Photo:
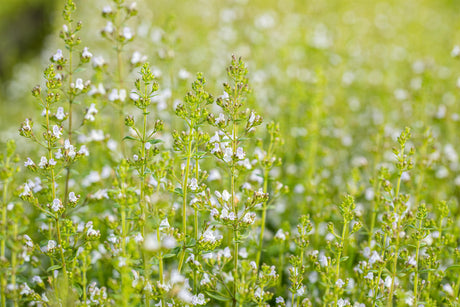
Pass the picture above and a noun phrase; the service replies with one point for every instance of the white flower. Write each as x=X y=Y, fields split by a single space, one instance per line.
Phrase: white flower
x=25 y=290
x=448 y=289
x=169 y=242
x=323 y=260
x=29 y=162
x=209 y=236
x=253 y=265
x=50 y=246
x=98 y=61
x=91 y=112
x=193 y=184
x=86 y=53
x=43 y=162
x=65 y=28
x=60 y=115
x=97 y=90
x=83 y=151
x=216 y=148
x=249 y=217
x=52 y=162
x=57 y=131
x=252 y=118
x=301 y=291
x=108 y=27
x=455 y=52
x=72 y=197
x=107 y=9
x=79 y=84
x=339 y=283
x=57 y=205
x=258 y=293
x=184 y=74
x=369 y=275
x=388 y=281
x=220 y=119
x=164 y=223
x=127 y=33
x=58 y=55
x=137 y=57
x=205 y=279
x=243 y=253
x=226 y=195
x=341 y=302
x=138 y=238
x=228 y=154
x=198 y=299
x=240 y=153
x=374 y=258
x=280 y=235
x=279 y=300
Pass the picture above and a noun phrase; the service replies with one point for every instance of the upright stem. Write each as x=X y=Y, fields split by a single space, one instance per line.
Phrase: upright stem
x=416 y=268
x=395 y=259
x=235 y=211
x=4 y=278
x=66 y=191
x=264 y=214
x=337 y=270
x=14 y=266
x=142 y=202
x=184 y=199
x=53 y=189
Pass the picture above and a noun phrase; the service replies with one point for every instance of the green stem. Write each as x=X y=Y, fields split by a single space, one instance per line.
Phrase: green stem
x=14 y=267
x=339 y=256
x=264 y=214
x=416 y=268
x=4 y=278
x=184 y=200
x=235 y=211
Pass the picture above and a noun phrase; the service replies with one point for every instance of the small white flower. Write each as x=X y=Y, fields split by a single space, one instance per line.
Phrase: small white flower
x=169 y=242
x=91 y=112
x=98 y=61
x=137 y=57
x=57 y=131
x=57 y=205
x=455 y=51
x=323 y=261
x=220 y=119
x=79 y=84
x=184 y=74
x=198 y=299
x=107 y=9
x=65 y=28
x=83 y=151
x=252 y=118
x=86 y=53
x=58 y=55
x=138 y=238
x=25 y=290
x=108 y=27
x=43 y=162
x=280 y=235
x=72 y=197
x=29 y=162
x=279 y=300
x=369 y=275
x=127 y=33
x=240 y=153
x=148 y=145
x=339 y=283
x=164 y=223
x=448 y=289
x=60 y=115
x=226 y=195
x=228 y=154
x=194 y=184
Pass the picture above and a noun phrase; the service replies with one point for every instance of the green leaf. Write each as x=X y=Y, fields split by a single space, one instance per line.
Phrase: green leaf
x=154 y=141
x=343 y=259
x=454 y=266
x=169 y=256
x=218 y=296
x=54 y=267
x=128 y=137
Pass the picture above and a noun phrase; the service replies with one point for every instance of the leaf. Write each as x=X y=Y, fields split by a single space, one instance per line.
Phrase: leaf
x=218 y=296
x=178 y=191
x=128 y=137
x=343 y=259
x=169 y=256
x=454 y=266
x=154 y=141
x=54 y=267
